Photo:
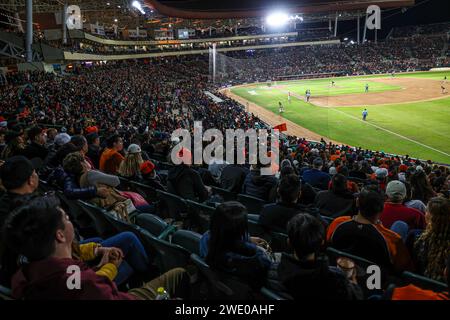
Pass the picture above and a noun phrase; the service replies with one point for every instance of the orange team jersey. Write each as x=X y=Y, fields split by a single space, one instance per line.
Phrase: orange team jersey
x=411 y=292
x=399 y=255
x=334 y=157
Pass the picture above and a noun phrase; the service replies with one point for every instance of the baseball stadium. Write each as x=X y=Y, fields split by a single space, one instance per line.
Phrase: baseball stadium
x=333 y=183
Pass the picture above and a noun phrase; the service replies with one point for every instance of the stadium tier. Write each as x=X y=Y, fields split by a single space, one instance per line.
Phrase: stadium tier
x=150 y=152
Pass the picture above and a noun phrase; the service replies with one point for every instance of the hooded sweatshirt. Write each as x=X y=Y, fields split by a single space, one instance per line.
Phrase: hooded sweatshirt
x=186 y=183
x=315 y=280
x=49 y=278
x=260 y=186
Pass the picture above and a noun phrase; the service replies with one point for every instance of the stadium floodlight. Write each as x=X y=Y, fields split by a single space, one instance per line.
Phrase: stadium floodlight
x=138 y=6
x=277 y=19
x=345 y=39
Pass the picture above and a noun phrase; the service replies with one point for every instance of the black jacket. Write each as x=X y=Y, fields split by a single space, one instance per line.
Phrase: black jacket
x=8 y=259
x=305 y=280
x=335 y=205
x=260 y=186
x=94 y=154
x=232 y=177
x=275 y=216
x=35 y=150
x=186 y=183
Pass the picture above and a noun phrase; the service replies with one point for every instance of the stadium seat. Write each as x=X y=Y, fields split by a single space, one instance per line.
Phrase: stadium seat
x=225 y=194
x=272 y=295
x=5 y=293
x=334 y=254
x=187 y=239
x=216 y=288
x=124 y=184
x=424 y=282
x=177 y=206
x=153 y=224
x=147 y=192
x=199 y=215
x=166 y=255
x=254 y=205
x=328 y=220
x=103 y=226
x=277 y=241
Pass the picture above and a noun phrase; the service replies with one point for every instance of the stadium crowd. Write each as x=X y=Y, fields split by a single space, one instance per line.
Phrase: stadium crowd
x=87 y=181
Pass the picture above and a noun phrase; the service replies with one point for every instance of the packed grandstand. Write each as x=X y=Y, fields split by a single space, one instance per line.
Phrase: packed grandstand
x=87 y=180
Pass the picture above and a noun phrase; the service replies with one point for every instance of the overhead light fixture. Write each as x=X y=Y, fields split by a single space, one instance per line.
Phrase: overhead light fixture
x=115 y=20
x=277 y=19
x=138 y=6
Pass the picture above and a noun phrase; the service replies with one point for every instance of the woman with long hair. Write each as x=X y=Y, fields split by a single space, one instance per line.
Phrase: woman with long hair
x=228 y=248
x=130 y=167
x=421 y=187
x=433 y=246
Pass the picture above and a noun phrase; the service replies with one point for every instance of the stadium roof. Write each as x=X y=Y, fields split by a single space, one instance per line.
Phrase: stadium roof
x=204 y=9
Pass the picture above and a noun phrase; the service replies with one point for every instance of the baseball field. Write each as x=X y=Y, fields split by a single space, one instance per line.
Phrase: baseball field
x=407 y=113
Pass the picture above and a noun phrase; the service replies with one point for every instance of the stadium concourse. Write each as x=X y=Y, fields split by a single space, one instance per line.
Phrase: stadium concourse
x=87 y=181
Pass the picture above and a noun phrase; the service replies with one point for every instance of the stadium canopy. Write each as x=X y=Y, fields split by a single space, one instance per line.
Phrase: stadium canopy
x=204 y=9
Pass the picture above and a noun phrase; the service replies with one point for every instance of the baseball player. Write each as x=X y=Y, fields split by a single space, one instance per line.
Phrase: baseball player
x=367 y=87
x=332 y=83
x=308 y=95
x=280 y=107
x=443 y=89
x=289 y=97
x=364 y=114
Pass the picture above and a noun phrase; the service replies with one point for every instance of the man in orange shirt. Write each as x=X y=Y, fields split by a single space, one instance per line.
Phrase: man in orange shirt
x=111 y=157
x=365 y=236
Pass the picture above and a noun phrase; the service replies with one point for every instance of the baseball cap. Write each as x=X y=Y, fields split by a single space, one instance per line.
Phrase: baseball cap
x=62 y=139
x=381 y=173
x=403 y=168
x=394 y=188
x=318 y=162
x=17 y=170
x=134 y=148
x=147 y=167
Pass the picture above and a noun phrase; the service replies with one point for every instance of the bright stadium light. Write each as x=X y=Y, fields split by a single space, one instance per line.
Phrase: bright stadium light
x=138 y=6
x=277 y=19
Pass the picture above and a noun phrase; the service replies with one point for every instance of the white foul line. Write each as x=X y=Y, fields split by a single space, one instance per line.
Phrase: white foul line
x=381 y=128
x=392 y=132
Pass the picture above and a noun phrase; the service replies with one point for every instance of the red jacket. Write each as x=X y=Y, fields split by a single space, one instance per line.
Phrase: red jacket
x=398 y=212
x=47 y=279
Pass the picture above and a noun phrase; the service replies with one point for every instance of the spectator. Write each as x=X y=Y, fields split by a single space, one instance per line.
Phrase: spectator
x=15 y=144
x=315 y=177
x=365 y=236
x=111 y=157
x=233 y=176
x=93 y=148
x=150 y=177
x=130 y=167
x=395 y=210
x=185 y=182
x=44 y=234
x=260 y=186
x=36 y=148
x=275 y=216
x=421 y=187
x=306 y=274
x=338 y=201
x=19 y=177
x=432 y=247
x=228 y=248
x=81 y=143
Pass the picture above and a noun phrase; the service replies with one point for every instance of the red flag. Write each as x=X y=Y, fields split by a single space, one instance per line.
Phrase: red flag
x=281 y=127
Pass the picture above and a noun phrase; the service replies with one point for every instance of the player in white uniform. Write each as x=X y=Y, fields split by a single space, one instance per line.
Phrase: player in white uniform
x=289 y=97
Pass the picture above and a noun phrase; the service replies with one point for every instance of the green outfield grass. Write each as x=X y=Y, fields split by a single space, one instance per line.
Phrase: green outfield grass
x=419 y=129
